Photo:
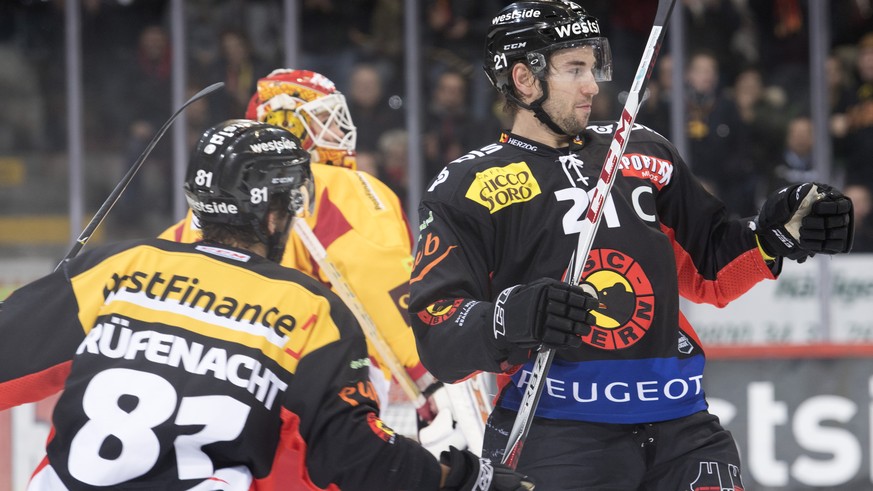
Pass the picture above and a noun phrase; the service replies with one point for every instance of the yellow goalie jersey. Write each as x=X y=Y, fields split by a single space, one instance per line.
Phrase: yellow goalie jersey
x=361 y=224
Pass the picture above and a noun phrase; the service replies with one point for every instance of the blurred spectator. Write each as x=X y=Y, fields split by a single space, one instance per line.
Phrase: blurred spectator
x=796 y=164
x=263 y=23
x=36 y=33
x=850 y=19
x=839 y=97
x=655 y=109
x=783 y=36
x=862 y=203
x=715 y=138
x=628 y=26
x=713 y=24
x=379 y=39
x=449 y=128
x=370 y=108
x=22 y=119
x=146 y=98
x=454 y=32
x=239 y=68
x=762 y=115
x=859 y=165
x=453 y=40
x=325 y=44
x=393 y=162
x=197 y=116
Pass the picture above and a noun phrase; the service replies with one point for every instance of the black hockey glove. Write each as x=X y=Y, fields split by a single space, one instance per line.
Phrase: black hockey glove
x=471 y=473
x=546 y=312
x=806 y=219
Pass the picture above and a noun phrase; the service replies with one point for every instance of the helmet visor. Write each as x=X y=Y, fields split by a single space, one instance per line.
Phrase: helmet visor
x=601 y=57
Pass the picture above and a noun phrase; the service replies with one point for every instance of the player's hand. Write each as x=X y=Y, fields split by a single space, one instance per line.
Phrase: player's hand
x=806 y=219
x=468 y=473
x=442 y=430
x=545 y=312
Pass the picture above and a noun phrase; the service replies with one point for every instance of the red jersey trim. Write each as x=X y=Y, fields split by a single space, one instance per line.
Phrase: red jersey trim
x=731 y=281
x=34 y=387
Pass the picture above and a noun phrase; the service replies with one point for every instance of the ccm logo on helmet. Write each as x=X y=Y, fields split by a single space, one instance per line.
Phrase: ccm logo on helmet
x=273 y=146
x=515 y=15
x=577 y=28
x=514 y=46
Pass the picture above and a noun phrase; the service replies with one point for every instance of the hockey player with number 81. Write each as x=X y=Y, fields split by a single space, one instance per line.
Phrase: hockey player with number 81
x=191 y=366
x=360 y=223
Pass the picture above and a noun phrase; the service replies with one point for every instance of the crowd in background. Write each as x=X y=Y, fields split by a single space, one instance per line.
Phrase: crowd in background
x=746 y=86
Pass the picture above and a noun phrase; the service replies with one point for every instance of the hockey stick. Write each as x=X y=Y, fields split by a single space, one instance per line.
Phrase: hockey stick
x=468 y=399
x=122 y=185
x=345 y=292
x=529 y=402
x=471 y=405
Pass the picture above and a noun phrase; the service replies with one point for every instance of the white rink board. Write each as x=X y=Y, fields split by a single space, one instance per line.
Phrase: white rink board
x=788 y=310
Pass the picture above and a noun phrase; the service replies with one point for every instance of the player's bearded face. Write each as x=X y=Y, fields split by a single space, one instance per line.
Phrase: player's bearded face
x=571 y=88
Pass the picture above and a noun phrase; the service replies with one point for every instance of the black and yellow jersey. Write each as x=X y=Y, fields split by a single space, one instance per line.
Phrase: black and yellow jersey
x=189 y=366
x=362 y=226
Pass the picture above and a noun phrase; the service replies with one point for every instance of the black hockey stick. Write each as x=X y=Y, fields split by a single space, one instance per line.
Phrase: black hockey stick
x=122 y=185
x=535 y=386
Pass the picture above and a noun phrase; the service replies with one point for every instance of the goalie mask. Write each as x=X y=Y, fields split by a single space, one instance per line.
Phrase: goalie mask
x=308 y=105
x=239 y=169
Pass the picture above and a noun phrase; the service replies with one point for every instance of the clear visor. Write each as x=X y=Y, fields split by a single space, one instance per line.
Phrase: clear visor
x=328 y=122
x=602 y=69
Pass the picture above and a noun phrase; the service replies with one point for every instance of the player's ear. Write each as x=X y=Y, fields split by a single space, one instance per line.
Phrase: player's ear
x=525 y=82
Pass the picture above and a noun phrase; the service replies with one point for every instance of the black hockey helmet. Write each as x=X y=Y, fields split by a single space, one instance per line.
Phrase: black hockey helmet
x=239 y=167
x=528 y=31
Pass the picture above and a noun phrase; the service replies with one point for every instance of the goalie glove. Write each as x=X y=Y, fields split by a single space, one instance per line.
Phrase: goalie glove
x=470 y=473
x=442 y=431
x=803 y=220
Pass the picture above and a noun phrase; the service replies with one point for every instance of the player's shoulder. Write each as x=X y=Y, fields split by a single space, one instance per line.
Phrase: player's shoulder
x=458 y=173
x=602 y=132
x=353 y=188
x=132 y=248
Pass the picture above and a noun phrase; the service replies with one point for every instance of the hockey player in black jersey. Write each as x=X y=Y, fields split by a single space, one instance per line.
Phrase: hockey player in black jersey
x=623 y=406
x=190 y=366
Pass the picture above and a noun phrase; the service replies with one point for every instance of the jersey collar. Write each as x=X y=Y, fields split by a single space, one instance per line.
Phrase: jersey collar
x=538 y=148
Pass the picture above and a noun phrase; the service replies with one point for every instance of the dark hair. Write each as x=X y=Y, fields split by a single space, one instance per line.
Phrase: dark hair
x=244 y=236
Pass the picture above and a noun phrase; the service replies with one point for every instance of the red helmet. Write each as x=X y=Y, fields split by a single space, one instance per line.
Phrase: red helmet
x=310 y=107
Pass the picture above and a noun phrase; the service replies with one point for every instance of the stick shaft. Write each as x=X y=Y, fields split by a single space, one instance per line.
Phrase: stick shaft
x=345 y=292
x=530 y=401
x=113 y=197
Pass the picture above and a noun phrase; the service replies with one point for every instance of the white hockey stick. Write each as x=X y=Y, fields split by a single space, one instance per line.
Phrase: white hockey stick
x=529 y=402
x=469 y=402
x=345 y=292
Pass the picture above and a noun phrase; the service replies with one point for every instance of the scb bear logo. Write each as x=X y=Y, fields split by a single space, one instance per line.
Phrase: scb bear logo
x=627 y=301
